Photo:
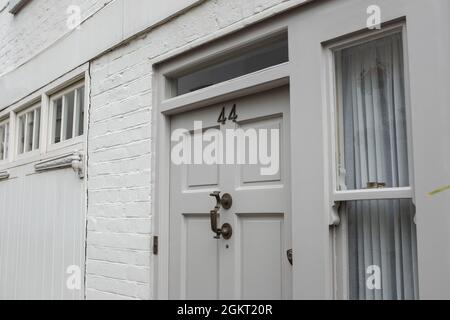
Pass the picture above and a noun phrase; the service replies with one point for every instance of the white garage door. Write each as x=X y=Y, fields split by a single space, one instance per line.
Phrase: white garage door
x=42 y=230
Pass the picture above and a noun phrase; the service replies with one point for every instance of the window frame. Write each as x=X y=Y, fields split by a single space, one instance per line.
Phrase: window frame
x=19 y=114
x=7 y=123
x=167 y=70
x=339 y=239
x=262 y=43
x=334 y=123
x=51 y=145
x=79 y=76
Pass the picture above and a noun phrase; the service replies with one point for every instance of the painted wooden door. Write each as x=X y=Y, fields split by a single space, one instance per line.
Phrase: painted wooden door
x=253 y=263
x=42 y=235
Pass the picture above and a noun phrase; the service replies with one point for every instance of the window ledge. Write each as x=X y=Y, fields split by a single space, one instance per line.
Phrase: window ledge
x=16 y=5
x=373 y=194
x=366 y=194
x=71 y=160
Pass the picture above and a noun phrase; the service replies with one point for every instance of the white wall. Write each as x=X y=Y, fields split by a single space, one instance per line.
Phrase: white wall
x=36 y=27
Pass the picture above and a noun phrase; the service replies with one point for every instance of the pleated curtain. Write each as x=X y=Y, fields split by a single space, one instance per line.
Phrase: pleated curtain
x=381 y=233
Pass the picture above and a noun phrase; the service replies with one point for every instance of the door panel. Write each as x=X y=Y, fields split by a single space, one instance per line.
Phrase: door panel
x=250 y=173
x=261 y=246
x=200 y=271
x=252 y=264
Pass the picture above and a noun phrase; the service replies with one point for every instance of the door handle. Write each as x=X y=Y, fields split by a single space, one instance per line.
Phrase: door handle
x=214 y=215
x=226 y=230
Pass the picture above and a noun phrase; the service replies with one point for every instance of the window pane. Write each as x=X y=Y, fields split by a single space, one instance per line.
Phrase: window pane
x=21 y=136
x=373 y=131
x=382 y=248
x=37 y=128
x=80 y=108
x=69 y=110
x=244 y=62
x=57 y=114
x=2 y=142
x=6 y=143
x=30 y=131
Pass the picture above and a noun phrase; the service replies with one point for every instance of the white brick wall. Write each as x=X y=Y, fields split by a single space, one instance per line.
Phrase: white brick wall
x=119 y=261
x=34 y=28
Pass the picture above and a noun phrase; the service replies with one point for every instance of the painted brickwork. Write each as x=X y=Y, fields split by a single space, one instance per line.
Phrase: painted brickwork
x=39 y=24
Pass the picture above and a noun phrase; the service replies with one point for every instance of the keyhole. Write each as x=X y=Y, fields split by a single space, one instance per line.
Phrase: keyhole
x=227 y=246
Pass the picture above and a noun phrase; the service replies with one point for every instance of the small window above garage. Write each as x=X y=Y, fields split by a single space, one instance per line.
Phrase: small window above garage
x=4 y=139
x=67 y=114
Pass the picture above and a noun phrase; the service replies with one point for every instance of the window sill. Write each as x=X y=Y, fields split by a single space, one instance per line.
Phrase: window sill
x=66 y=143
x=32 y=159
x=373 y=194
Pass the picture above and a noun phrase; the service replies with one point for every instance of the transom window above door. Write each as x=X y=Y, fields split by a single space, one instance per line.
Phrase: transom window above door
x=227 y=66
x=67 y=114
x=28 y=130
x=372 y=166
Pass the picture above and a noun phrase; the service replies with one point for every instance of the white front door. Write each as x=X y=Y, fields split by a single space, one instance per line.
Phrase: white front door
x=253 y=262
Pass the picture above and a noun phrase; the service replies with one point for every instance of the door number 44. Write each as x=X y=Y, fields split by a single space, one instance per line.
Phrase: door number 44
x=232 y=116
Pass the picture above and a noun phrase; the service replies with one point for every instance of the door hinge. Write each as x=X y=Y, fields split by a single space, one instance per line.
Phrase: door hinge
x=155 y=245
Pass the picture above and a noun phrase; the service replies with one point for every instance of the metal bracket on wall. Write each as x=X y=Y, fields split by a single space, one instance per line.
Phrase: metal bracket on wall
x=4 y=175
x=74 y=160
x=155 y=245
x=335 y=219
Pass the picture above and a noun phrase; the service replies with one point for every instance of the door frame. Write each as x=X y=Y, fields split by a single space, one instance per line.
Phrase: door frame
x=260 y=81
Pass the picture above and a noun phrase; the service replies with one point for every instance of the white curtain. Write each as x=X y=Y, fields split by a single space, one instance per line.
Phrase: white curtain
x=381 y=233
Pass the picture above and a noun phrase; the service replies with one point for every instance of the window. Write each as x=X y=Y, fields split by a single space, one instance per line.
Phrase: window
x=373 y=170
x=28 y=130
x=247 y=60
x=67 y=111
x=4 y=139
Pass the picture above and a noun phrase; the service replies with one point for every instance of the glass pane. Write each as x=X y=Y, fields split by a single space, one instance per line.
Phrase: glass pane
x=21 y=136
x=244 y=62
x=57 y=114
x=30 y=131
x=37 y=128
x=382 y=248
x=373 y=134
x=2 y=142
x=6 y=143
x=80 y=108
x=70 y=107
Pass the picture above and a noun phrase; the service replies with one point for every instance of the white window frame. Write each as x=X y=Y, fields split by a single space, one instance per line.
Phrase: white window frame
x=50 y=128
x=7 y=124
x=17 y=135
x=79 y=76
x=336 y=196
